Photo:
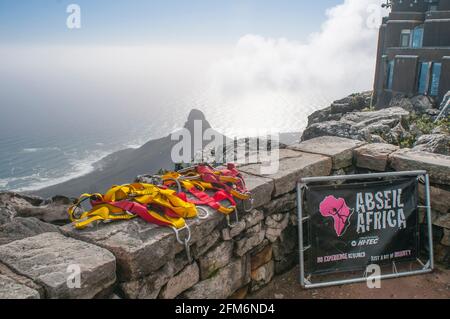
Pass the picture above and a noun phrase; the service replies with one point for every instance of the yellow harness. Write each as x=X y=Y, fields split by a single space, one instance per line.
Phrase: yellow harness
x=122 y=203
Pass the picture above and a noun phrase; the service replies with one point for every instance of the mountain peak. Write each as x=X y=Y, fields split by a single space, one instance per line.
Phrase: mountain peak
x=196 y=115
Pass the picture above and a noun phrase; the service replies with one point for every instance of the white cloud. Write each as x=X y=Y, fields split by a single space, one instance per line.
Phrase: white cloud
x=339 y=59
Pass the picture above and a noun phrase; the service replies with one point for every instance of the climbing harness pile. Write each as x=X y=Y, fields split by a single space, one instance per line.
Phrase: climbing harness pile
x=168 y=200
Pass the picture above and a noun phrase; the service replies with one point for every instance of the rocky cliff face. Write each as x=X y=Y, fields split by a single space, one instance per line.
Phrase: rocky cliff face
x=405 y=122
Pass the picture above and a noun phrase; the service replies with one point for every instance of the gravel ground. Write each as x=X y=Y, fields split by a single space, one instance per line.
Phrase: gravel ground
x=434 y=285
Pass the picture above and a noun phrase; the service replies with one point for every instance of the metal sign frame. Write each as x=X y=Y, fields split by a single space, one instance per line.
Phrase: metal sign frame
x=302 y=218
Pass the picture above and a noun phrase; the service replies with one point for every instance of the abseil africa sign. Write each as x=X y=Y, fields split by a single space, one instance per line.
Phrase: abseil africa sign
x=354 y=225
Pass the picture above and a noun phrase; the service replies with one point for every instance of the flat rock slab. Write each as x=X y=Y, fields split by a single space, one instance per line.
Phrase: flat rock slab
x=19 y=228
x=6 y=272
x=439 y=198
x=224 y=283
x=291 y=169
x=365 y=118
x=261 y=189
x=374 y=156
x=142 y=248
x=49 y=211
x=187 y=278
x=437 y=166
x=48 y=259
x=11 y=289
x=338 y=148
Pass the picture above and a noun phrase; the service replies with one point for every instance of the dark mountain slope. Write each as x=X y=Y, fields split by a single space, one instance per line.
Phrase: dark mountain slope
x=123 y=166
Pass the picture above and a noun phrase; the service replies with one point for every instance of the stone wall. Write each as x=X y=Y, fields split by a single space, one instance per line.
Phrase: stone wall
x=133 y=259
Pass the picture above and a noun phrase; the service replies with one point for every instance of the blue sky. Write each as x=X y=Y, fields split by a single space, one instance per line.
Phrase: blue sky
x=159 y=21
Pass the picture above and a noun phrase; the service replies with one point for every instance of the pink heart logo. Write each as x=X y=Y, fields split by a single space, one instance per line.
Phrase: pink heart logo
x=338 y=209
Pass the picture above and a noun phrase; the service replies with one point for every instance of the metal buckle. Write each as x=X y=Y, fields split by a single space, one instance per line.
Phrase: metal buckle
x=77 y=206
x=236 y=219
x=205 y=214
x=188 y=169
x=184 y=242
x=129 y=213
x=251 y=200
x=179 y=189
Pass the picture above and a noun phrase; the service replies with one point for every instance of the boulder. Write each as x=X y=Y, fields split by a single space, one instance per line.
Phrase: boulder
x=230 y=232
x=261 y=189
x=216 y=258
x=49 y=211
x=437 y=166
x=6 y=272
x=359 y=125
x=262 y=257
x=354 y=102
x=397 y=134
x=334 y=128
x=433 y=143
x=253 y=218
x=419 y=104
x=262 y=276
x=11 y=289
x=339 y=149
x=224 y=283
x=440 y=219
x=389 y=116
x=51 y=260
x=7 y=213
x=374 y=156
x=439 y=198
x=187 y=278
x=275 y=225
x=12 y=197
x=283 y=204
x=20 y=228
x=292 y=168
x=203 y=245
x=253 y=237
x=149 y=286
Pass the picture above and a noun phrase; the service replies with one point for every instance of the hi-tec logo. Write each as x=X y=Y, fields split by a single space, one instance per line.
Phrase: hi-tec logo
x=365 y=242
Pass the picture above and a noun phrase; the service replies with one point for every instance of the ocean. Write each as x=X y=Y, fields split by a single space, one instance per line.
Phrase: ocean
x=35 y=158
x=64 y=108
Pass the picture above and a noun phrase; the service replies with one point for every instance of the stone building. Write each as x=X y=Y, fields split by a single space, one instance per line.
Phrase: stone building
x=414 y=50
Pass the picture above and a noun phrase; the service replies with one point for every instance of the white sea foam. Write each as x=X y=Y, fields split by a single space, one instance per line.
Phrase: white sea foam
x=40 y=149
x=40 y=180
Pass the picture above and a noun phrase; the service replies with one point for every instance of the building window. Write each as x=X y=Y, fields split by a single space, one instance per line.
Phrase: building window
x=405 y=38
x=424 y=73
x=433 y=5
x=435 y=78
x=390 y=75
x=429 y=78
x=417 y=38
